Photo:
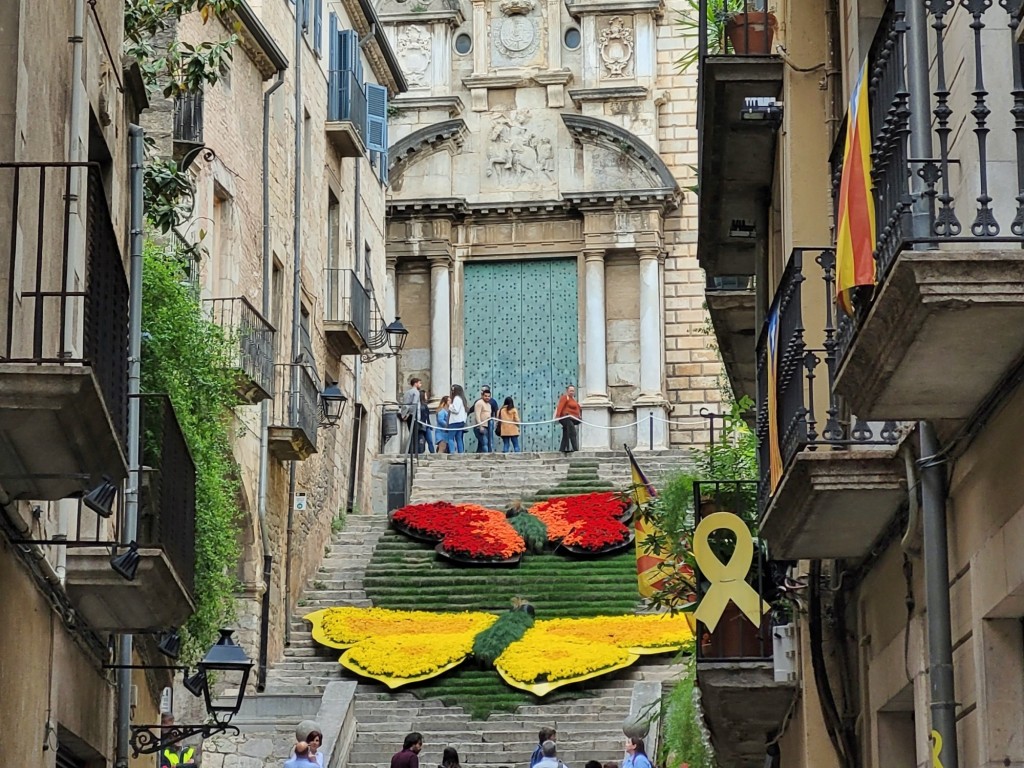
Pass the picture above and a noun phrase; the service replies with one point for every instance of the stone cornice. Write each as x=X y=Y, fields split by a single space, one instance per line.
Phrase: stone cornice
x=378 y=50
x=579 y=8
x=436 y=206
x=664 y=199
x=497 y=81
x=554 y=77
x=453 y=104
x=255 y=40
x=433 y=137
x=454 y=17
x=611 y=93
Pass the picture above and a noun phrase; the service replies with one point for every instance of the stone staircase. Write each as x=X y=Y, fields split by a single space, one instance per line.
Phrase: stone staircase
x=498 y=479
x=589 y=727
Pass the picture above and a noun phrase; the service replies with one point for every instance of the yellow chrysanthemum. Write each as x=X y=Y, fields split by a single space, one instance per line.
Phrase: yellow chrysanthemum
x=541 y=657
x=403 y=656
x=651 y=632
x=343 y=627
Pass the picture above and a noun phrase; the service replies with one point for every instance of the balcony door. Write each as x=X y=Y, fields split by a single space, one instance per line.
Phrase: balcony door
x=521 y=339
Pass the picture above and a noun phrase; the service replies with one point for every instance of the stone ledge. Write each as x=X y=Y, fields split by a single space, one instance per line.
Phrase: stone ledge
x=834 y=504
x=943 y=330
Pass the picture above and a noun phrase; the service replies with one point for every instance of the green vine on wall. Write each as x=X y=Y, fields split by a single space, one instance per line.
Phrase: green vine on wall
x=175 y=69
x=189 y=358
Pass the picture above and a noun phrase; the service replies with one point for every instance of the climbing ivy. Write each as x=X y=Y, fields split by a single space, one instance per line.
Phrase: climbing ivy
x=174 y=68
x=686 y=740
x=188 y=357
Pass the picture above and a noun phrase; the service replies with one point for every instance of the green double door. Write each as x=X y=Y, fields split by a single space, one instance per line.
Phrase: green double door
x=521 y=338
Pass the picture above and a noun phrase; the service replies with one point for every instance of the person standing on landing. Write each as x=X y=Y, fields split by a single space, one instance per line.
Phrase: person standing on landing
x=636 y=755
x=484 y=414
x=550 y=756
x=508 y=426
x=411 y=404
x=442 y=434
x=409 y=756
x=457 y=420
x=568 y=413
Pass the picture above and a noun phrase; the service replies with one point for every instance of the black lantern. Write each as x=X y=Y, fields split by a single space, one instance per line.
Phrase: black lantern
x=397 y=334
x=332 y=405
x=228 y=661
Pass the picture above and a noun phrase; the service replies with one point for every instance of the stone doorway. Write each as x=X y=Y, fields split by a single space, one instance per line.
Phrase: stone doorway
x=522 y=338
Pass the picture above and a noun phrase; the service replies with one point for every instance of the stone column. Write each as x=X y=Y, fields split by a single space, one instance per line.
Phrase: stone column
x=651 y=401
x=440 y=327
x=596 y=405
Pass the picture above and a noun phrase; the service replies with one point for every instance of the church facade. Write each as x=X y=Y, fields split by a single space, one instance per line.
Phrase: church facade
x=540 y=232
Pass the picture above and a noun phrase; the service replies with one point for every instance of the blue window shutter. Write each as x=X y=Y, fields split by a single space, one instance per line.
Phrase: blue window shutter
x=334 y=69
x=376 y=118
x=349 y=44
x=305 y=14
x=382 y=169
x=318 y=26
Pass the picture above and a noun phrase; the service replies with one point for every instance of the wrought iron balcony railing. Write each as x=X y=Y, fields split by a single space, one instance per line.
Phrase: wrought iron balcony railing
x=916 y=198
x=791 y=392
x=348 y=301
x=254 y=336
x=58 y=307
x=346 y=100
x=167 y=518
x=188 y=118
x=297 y=404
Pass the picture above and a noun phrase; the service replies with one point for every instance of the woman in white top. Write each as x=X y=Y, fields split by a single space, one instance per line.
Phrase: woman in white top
x=457 y=420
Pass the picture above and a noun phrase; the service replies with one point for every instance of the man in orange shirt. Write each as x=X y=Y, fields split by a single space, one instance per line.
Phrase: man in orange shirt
x=568 y=414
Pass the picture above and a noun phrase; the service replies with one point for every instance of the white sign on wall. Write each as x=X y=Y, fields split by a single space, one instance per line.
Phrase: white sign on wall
x=299 y=505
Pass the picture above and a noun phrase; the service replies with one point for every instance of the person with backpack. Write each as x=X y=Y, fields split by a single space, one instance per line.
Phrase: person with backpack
x=545 y=734
x=549 y=759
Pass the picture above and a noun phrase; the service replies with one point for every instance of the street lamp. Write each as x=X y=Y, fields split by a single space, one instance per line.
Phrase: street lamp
x=397 y=335
x=228 y=661
x=332 y=405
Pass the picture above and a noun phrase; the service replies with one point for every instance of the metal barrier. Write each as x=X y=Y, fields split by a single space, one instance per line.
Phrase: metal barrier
x=254 y=335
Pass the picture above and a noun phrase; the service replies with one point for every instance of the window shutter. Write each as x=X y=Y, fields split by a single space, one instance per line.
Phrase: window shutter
x=318 y=26
x=334 y=69
x=376 y=118
x=382 y=169
x=349 y=43
x=305 y=14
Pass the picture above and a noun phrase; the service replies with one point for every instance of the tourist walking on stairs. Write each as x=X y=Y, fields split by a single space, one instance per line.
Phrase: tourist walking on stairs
x=550 y=756
x=568 y=414
x=409 y=756
x=450 y=758
x=545 y=734
x=636 y=755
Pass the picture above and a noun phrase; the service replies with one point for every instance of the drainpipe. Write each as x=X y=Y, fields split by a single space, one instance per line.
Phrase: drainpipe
x=296 y=309
x=261 y=493
x=936 y=580
x=920 y=112
x=131 y=491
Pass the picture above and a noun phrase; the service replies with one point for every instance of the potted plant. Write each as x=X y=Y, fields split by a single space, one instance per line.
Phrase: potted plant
x=751 y=29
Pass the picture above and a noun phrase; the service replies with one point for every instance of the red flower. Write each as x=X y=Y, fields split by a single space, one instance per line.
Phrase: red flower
x=465 y=529
x=433 y=520
x=594 y=535
x=562 y=515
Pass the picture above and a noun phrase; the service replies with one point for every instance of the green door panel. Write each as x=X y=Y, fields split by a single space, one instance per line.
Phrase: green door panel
x=521 y=338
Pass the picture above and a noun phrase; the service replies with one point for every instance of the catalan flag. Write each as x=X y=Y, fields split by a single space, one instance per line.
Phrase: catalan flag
x=650 y=568
x=774 y=451
x=855 y=239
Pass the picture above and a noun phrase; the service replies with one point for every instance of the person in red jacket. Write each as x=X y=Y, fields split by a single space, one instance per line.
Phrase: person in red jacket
x=568 y=414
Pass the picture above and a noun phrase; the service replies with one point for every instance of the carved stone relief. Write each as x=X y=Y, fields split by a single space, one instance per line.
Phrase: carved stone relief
x=414 y=49
x=616 y=47
x=515 y=33
x=516 y=154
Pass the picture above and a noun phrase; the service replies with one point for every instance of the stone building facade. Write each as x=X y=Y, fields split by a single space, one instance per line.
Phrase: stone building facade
x=342 y=199
x=538 y=231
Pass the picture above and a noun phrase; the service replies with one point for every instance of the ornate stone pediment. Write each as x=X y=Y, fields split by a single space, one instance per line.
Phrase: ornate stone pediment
x=615 y=159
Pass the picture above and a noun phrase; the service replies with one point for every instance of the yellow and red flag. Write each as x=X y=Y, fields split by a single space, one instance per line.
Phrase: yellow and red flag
x=774 y=444
x=855 y=240
x=650 y=568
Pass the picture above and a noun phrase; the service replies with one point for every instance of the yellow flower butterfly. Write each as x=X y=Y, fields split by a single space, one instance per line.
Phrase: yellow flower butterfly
x=402 y=647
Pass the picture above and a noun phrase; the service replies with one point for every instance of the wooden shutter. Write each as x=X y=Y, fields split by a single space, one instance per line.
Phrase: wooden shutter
x=334 y=69
x=318 y=26
x=376 y=118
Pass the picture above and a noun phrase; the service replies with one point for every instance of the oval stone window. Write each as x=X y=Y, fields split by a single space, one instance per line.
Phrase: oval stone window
x=463 y=43
x=572 y=38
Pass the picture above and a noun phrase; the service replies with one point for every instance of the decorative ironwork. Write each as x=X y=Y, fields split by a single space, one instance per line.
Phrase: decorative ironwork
x=255 y=337
x=188 y=117
x=798 y=391
x=54 y=316
x=298 y=403
x=348 y=301
x=151 y=739
x=167 y=516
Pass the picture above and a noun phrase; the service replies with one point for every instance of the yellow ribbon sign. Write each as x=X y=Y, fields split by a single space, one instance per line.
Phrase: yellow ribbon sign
x=728 y=580
x=936 y=739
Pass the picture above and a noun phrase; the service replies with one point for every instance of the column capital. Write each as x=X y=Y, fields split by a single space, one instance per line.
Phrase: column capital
x=594 y=254
x=645 y=254
x=439 y=260
x=390 y=261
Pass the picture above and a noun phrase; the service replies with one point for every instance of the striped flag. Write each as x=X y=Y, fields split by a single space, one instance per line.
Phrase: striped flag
x=855 y=239
x=650 y=568
x=774 y=451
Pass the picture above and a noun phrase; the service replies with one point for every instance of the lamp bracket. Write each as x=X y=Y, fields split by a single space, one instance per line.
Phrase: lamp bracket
x=150 y=739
